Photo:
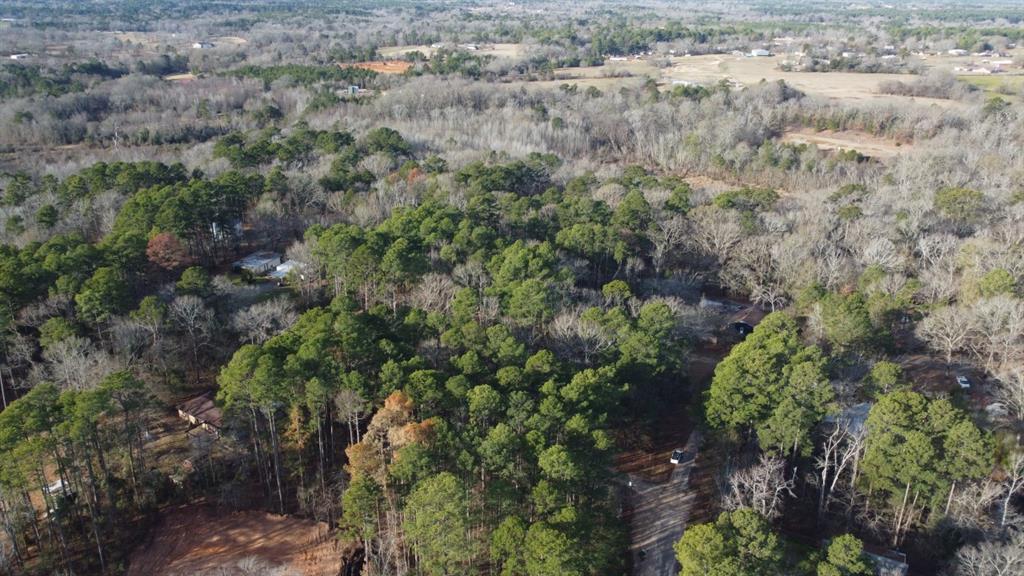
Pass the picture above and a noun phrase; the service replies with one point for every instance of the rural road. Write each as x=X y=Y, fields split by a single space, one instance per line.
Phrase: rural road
x=659 y=515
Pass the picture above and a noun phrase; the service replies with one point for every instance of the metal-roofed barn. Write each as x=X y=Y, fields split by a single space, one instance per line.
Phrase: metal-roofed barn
x=258 y=263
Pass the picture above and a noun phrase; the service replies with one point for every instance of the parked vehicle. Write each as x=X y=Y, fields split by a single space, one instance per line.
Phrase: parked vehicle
x=680 y=456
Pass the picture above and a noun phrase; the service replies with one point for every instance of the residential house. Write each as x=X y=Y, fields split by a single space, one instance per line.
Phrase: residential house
x=258 y=263
x=202 y=412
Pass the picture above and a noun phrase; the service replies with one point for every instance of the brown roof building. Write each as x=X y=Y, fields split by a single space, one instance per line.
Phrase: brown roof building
x=202 y=412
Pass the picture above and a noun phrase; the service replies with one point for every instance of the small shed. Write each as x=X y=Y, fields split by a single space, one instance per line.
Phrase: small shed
x=760 y=53
x=58 y=488
x=202 y=412
x=258 y=263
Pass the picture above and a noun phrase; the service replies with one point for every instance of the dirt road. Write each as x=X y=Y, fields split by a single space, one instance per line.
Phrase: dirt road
x=661 y=499
x=659 y=512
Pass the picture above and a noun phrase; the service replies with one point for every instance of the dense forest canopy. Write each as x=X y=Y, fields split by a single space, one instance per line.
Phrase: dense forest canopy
x=514 y=288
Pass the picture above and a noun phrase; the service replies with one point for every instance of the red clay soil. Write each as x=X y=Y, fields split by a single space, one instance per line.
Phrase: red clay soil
x=194 y=539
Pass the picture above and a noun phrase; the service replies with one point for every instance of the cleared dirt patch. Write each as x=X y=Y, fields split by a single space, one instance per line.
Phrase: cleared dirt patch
x=180 y=77
x=195 y=539
x=233 y=40
x=862 y=142
x=383 y=67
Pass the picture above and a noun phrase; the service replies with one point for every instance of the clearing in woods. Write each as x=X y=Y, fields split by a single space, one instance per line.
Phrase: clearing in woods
x=862 y=142
x=497 y=50
x=743 y=70
x=197 y=539
x=233 y=40
x=382 y=67
x=739 y=71
x=188 y=77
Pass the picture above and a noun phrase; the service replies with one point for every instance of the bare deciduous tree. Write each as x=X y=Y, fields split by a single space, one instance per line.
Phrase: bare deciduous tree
x=946 y=329
x=1010 y=389
x=840 y=451
x=263 y=320
x=715 y=232
x=579 y=338
x=973 y=504
x=997 y=328
x=760 y=486
x=668 y=236
x=434 y=293
x=75 y=363
x=191 y=315
x=992 y=558
x=1013 y=484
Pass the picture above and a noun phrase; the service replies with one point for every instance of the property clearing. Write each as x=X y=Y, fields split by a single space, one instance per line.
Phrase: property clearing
x=862 y=142
x=496 y=50
x=502 y=50
x=398 y=51
x=197 y=539
x=180 y=77
x=741 y=71
x=1006 y=86
x=233 y=40
x=614 y=74
x=382 y=67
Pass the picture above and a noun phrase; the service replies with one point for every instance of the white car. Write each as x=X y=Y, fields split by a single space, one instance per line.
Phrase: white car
x=964 y=383
x=680 y=456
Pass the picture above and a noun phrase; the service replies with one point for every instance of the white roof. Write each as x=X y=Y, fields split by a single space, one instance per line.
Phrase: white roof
x=284 y=268
x=56 y=487
x=257 y=259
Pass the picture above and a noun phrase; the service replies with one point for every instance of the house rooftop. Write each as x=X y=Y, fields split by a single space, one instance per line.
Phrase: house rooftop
x=203 y=409
x=259 y=259
x=284 y=268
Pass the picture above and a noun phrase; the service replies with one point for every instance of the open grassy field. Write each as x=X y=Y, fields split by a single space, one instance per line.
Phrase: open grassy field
x=1005 y=85
x=614 y=74
x=849 y=87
